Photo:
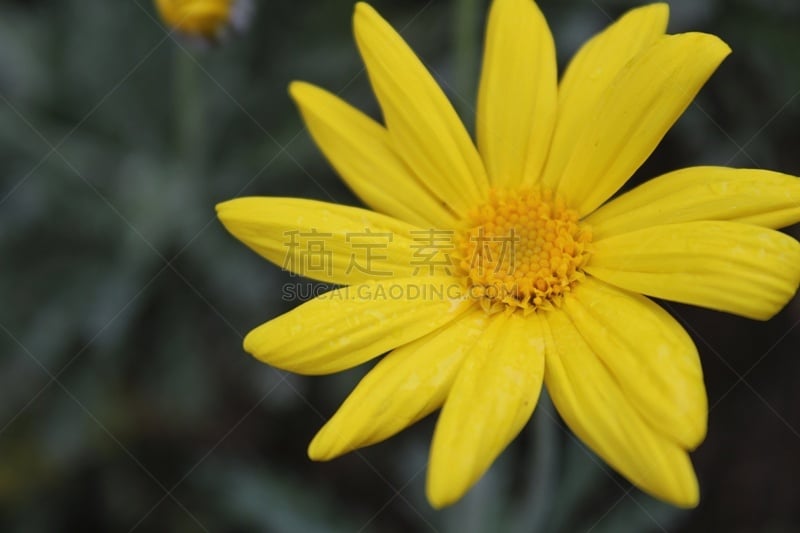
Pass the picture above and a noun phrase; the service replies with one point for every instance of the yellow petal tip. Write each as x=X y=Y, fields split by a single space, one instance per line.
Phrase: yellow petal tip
x=690 y=499
x=365 y=15
x=296 y=87
x=438 y=496
x=663 y=7
x=683 y=492
x=363 y=7
x=445 y=485
x=708 y=43
x=251 y=343
x=658 y=11
x=226 y=214
x=327 y=443
x=316 y=451
x=225 y=206
x=229 y=208
x=302 y=90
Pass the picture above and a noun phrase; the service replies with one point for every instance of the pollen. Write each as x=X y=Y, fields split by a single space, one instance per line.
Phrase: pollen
x=523 y=251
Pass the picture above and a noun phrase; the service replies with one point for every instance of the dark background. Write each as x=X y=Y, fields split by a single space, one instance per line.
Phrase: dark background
x=126 y=401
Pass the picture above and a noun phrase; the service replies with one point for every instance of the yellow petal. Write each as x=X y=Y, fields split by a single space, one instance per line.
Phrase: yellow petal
x=649 y=354
x=492 y=398
x=590 y=73
x=345 y=327
x=751 y=196
x=739 y=268
x=404 y=387
x=589 y=399
x=329 y=242
x=425 y=129
x=633 y=114
x=360 y=150
x=517 y=94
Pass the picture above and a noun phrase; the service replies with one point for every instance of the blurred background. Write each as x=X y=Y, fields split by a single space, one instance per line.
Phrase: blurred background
x=126 y=401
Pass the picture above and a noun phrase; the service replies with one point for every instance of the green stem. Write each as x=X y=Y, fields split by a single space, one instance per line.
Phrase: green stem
x=188 y=112
x=537 y=500
x=466 y=46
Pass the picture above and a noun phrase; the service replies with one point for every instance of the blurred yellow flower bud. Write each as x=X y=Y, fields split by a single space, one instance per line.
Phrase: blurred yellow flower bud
x=207 y=19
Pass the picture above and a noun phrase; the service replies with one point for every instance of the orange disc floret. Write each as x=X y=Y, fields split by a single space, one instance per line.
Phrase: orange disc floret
x=524 y=250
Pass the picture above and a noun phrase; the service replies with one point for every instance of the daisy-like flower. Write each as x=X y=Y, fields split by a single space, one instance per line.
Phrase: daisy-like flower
x=205 y=19
x=547 y=280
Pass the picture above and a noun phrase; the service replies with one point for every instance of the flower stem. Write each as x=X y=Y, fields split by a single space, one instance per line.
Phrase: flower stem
x=537 y=500
x=466 y=45
x=188 y=113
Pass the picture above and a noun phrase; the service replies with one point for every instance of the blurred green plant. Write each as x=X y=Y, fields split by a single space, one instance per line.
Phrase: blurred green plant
x=126 y=402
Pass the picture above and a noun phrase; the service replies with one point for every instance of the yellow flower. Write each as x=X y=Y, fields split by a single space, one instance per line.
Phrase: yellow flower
x=546 y=277
x=207 y=19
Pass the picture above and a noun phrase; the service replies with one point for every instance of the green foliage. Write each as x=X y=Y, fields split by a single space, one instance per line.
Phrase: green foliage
x=126 y=400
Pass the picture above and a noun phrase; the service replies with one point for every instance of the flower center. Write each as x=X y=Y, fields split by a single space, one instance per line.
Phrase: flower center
x=525 y=249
